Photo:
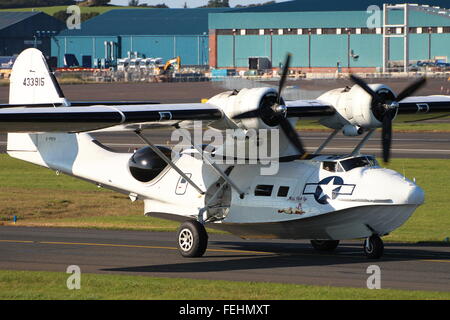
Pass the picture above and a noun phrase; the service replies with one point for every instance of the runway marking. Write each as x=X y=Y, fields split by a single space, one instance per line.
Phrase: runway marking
x=128 y=246
x=446 y=261
x=444 y=151
x=18 y=241
x=341 y=255
x=394 y=149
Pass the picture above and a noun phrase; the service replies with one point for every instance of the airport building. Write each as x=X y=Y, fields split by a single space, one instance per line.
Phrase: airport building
x=21 y=30
x=163 y=33
x=325 y=36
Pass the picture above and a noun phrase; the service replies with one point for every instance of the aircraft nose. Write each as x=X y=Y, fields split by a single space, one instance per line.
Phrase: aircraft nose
x=415 y=195
x=393 y=186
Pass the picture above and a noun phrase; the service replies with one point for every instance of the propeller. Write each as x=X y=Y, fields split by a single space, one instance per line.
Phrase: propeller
x=385 y=107
x=272 y=111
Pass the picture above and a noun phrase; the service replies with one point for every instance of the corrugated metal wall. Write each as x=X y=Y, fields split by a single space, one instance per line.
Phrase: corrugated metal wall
x=321 y=50
x=326 y=50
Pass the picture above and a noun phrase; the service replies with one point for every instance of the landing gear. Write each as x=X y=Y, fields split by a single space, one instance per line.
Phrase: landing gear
x=325 y=245
x=192 y=239
x=373 y=247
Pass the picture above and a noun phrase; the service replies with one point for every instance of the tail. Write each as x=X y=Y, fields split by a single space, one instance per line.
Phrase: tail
x=32 y=81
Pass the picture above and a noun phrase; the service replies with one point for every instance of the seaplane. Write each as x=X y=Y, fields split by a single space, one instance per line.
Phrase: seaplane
x=286 y=193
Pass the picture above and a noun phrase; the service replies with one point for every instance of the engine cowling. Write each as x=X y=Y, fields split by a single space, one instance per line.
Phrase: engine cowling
x=354 y=107
x=234 y=103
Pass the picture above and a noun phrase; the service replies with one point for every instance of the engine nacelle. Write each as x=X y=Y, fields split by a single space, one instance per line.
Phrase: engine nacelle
x=354 y=108
x=234 y=103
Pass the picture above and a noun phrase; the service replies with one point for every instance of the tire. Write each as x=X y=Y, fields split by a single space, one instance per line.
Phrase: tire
x=192 y=239
x=373 y=247
x=325 y=245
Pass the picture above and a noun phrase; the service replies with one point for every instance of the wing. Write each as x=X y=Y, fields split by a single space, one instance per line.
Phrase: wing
x=37 y=104
x=428 y=104
x=296 y=108
x=308 y=108
x=82 y=119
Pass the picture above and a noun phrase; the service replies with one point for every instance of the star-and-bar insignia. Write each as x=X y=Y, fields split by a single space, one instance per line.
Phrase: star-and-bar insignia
x=328 y=188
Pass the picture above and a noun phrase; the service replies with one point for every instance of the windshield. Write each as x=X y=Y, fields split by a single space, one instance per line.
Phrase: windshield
x=352 y=163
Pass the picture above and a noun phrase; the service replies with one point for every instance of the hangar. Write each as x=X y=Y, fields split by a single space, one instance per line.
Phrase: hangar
x=329 y=35
x=21 y=30
x=164 y=33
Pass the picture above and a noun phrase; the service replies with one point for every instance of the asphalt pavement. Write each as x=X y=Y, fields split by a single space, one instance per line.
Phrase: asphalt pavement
x=404 y=266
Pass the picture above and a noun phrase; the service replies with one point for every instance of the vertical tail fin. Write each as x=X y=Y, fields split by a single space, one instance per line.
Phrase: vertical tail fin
x=32 y=82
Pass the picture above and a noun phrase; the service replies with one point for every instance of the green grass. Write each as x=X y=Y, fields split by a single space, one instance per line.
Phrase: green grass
x=431 y=221
x=399 y=126
x=52 y=10
x=39 y=197
x=52 y=285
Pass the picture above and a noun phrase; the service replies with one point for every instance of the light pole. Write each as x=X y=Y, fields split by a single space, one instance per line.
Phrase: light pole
x=349 y=54
x=234 y=48
x=430 y=30
x=309 y=49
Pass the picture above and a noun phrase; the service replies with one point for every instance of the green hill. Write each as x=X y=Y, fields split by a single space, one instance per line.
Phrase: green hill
x=52 y=10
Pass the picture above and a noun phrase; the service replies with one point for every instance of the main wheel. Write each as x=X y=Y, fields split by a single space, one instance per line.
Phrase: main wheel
x=325 y=245
x=373 y=247
x=192 y=239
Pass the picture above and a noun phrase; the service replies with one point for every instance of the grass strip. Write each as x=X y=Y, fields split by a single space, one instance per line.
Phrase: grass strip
x=52 y=285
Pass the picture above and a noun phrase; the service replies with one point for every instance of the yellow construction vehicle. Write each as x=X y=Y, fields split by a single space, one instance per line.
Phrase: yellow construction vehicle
x=171 y=65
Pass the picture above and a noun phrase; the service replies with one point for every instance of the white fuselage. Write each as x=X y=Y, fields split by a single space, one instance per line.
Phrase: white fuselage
x=305 y=199
x=302 y=201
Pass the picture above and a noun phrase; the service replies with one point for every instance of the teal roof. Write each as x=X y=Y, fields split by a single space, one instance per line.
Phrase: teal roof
x=146 y=22
x=316 y=19
x=334 y=5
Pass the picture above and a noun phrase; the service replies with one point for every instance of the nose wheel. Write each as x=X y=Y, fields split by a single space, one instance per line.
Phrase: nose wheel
x=373 y=247
x=192 y=239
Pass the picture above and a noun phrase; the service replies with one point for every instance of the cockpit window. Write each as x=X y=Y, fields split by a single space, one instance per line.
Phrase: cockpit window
x=332 y=166
x=352 y=163
x=329 y=166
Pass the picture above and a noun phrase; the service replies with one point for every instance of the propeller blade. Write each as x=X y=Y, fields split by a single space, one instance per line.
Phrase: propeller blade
x=386 y=136
x=409 y=91
x=283 y=76
x=360 y=82
x=292 y=135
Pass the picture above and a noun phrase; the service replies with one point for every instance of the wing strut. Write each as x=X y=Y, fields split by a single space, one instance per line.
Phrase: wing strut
x=326 y=142
x=168 y=161
x=362 y=142
x=215 y=167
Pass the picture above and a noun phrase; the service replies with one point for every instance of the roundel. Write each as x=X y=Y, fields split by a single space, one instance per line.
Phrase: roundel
x=328 y=188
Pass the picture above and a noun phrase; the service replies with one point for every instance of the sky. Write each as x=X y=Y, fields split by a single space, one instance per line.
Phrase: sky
x=190 y=3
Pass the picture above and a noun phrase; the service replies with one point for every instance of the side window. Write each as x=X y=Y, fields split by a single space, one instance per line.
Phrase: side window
x=283 y=191
x=329 y=166
x=182 y=185
x=263 y=190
